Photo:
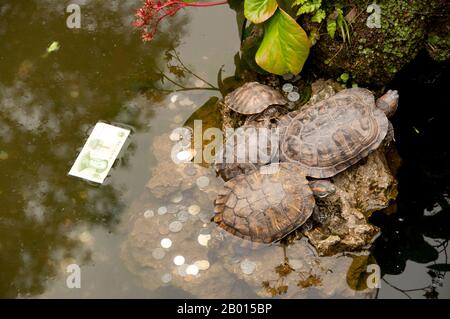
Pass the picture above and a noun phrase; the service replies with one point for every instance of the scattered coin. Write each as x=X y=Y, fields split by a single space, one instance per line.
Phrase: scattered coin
x=192 y=270
x=166 y=243
x=287 y=87
x=175 y=226
x=174 y=98
x=248 y=267
x=86 y=238
x=166 y=278
x=178 y=260
x=185 y=156
x=162 y=210
x=172 y=209
x=175 y=137
x=183 y=216
x=178 y=197
x=149 y=213
x=202 y=264
x=202 y=182
x=182 y=270
x=291 y=105
x=293 y=96
x=158 y=253
x=190 y=170
x=194 y=209
x=288 y=76
x=203 y=239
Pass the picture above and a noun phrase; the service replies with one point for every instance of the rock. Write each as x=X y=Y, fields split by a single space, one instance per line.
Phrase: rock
x=375 y=55
x=360 y=190
x=438 y=39
x=295 y=271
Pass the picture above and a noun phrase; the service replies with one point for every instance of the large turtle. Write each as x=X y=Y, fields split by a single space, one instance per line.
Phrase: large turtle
x=253 y=98
x=330 y=136
x=269 y=203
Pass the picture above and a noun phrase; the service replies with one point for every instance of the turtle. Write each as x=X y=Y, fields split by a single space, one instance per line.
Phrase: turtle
x=329 y=136
x=253 y=98
x=263 y=105
x=267 y=204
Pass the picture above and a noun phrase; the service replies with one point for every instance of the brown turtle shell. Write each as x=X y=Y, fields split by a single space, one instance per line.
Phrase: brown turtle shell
x=330 y=136
x=266 y=205
x=253 y=97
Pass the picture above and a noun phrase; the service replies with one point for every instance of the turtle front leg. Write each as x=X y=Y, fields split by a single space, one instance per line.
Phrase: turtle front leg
x=388 y=102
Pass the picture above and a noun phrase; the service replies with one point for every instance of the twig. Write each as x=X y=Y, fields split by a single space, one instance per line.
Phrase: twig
x=192 y=73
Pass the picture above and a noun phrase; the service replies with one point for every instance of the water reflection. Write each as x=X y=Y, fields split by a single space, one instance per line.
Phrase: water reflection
x=48 y=104
x=419 y=230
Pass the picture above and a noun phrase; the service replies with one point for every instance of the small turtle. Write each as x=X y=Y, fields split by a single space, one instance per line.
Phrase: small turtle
x=330 y=136
x=253 y=98
x=266 y=205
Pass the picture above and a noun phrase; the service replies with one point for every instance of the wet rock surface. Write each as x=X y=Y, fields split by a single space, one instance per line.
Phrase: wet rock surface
x=374 y=55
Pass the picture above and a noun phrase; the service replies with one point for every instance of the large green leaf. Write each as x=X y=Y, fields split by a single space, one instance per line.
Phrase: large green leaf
x=285 y=46
x=258 y=11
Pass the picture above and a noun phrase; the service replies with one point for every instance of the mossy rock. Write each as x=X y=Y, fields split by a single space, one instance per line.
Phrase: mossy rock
x=374 y=55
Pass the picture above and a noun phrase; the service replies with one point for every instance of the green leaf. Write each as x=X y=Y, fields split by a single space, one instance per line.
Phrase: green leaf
x=309 y=7
x=298 y=2
x=285 y=46
x=318 y=16
x=344 y=77
x=258 y=11
x=331 y=28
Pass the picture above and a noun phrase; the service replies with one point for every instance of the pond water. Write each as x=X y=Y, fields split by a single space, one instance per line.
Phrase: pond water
x=114 y=232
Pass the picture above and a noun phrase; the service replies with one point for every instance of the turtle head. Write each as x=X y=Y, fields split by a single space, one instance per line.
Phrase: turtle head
x=322 y=188
x=388 y=102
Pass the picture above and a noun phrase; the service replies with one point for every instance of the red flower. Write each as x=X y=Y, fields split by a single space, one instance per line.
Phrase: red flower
x=151 y=14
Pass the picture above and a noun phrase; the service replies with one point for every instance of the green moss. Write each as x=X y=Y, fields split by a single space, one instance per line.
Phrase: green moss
x=376 y=55
x=438 y=43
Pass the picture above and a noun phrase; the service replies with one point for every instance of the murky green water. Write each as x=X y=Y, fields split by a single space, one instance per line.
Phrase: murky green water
x=48 y=104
